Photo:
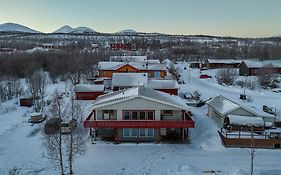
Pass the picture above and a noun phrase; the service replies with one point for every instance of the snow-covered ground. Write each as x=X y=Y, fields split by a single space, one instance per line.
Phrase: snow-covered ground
x=21 y=144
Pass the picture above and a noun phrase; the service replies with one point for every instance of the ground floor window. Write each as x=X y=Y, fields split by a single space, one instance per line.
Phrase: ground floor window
x=141 y=132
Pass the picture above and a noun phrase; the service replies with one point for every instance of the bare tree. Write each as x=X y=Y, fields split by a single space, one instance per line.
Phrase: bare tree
x=266 y=75
x=37 y=87
x=226 y=76
x=54 y=142
x=77 y=137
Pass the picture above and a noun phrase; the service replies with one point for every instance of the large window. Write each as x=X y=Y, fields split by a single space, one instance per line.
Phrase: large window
x=108 y=114
x=126 y=115
x=150 y=115
x=142 y=115
x=134 y=115
x=135 y=132
x=168 y=112
x=138 y=115
x=126 y=132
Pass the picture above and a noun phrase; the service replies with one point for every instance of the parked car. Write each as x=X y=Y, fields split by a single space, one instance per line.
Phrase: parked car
x=277 y=90
x=205 y=76
x=66 y=127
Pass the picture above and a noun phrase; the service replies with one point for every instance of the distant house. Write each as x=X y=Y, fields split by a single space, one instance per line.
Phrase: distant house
x=120 y=46
x=167 y=86
x=222 y=63
x=139 y=114
x=139 y=59
x=220 y=107
x=195 y=64
x=106 y=69
x=252 y=67
x=51 y=46
x=127 y=80
x=88 y=92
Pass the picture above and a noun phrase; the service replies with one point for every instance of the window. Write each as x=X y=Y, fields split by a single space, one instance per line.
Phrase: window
x=134 y=115
x=126 y=115
x=157 y=73
x=150 y=115
x=168 y=112
x=142 y=115
x=142 y=132
x=134 y=132
x=108 y=114
x=150 y=132
x=126 y=132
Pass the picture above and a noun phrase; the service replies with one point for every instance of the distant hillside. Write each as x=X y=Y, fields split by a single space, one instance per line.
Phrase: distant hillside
x=68 y=29
x=127 y=31
x=13 y=27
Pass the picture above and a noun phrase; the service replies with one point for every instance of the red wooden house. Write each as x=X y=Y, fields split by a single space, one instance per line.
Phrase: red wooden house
x=88 y=92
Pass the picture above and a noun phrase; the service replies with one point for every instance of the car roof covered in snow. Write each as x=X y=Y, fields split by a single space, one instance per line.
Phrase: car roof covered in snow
x=89 y=88
x=163 y=84
x=140 y=92
x=129 y=79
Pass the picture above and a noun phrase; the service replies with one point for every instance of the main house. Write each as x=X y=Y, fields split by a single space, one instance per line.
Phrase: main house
x=139 y=114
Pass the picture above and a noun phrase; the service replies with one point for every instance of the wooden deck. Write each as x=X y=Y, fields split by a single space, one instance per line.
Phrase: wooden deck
x=250 y=139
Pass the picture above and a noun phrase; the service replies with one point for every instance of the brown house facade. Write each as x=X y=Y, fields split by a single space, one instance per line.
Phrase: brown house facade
x=250 y=68
x=107 y=69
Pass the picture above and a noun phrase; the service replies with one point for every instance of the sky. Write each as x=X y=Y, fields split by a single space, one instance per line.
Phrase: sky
x=240 y=18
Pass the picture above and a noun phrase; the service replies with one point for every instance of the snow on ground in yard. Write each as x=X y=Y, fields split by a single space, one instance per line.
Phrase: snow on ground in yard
x=21 y=144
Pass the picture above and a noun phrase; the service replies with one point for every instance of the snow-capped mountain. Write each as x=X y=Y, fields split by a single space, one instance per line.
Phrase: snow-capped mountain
x=83 y=30
x=68 y=29
x=127 y=31
x=64 y=29
x=13 y=27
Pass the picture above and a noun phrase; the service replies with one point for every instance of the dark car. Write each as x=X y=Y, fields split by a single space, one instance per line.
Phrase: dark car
x=205 y=76
x=52 y=126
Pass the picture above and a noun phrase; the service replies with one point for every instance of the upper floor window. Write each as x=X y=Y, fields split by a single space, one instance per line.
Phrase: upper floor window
x=157 y=73
x=168 y=112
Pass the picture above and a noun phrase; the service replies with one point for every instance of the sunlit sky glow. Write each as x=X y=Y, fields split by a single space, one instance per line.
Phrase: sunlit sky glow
x=243 y=18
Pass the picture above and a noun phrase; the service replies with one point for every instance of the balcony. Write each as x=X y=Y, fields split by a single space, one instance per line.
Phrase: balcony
x=90 y=123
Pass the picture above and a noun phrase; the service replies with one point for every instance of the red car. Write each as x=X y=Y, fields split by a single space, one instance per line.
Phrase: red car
x=205 y=76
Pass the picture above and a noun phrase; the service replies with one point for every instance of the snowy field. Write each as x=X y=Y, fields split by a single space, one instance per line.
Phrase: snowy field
x=21 y=144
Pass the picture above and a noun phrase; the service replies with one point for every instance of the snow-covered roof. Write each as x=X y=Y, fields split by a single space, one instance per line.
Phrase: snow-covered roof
x=141 y=59
x=246 y=120
x=115 y=65
x=258 y=63
x=257 y=112
x=163 y=84
x=222 y=105
x=129 y=79
x=138 y=65
x=224 y=61
x=89 y=88
x=156 y=66
x=140 y=92
x=153 y=61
